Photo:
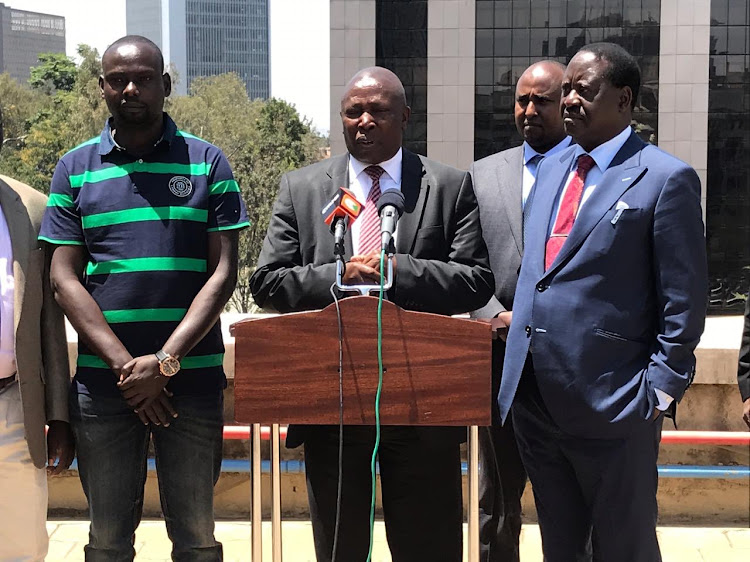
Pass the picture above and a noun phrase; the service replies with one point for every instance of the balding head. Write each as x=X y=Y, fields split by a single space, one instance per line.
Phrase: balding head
x=552 y=68
x=374 y=115
x=379 y=77
x=537 y=108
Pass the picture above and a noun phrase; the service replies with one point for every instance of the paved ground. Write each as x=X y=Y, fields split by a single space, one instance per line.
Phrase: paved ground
x=678 y=544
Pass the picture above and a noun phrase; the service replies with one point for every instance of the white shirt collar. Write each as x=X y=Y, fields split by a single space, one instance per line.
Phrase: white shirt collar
x=392 y=166
x=529 y=153
x=605 y=152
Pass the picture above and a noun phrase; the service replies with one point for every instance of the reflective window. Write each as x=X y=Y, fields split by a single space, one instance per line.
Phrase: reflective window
x=525 y=31
x=401 y=46
x=728 y=190
x=231 y=37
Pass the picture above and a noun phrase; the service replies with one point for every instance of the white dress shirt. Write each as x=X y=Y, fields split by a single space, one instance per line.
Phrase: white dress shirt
x=360 y=184
x=530 y=168
x=603 y=156
x=7 y=331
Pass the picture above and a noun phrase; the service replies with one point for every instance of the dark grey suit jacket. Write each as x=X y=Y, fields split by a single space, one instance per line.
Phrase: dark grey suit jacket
x=743 y=370
x=442 y=264
x=498 y=183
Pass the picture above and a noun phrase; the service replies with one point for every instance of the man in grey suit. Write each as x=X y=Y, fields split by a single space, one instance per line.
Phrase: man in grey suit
x=441 y=267
x=503 y=183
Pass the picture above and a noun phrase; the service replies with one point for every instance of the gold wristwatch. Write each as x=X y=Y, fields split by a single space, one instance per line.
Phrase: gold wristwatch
x=168 y=365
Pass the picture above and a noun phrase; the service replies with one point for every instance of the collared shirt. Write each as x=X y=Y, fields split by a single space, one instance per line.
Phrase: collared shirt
x=603 y=156
x=360 y=184
x=530 y=168
x=144 y=222
x=7 y=322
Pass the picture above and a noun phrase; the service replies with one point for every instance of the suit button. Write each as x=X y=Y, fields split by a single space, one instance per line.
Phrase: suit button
x=541 y=287
x=528 y=330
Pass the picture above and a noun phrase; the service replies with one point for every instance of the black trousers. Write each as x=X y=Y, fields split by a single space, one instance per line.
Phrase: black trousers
x=502 y=479
x=421 y=489
x=595 y=498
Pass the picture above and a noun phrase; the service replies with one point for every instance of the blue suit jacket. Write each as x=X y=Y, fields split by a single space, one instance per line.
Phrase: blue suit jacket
x=621 y=309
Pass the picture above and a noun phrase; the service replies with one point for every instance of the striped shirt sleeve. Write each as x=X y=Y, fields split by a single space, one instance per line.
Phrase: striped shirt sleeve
x=226 y=208
x=62 y=220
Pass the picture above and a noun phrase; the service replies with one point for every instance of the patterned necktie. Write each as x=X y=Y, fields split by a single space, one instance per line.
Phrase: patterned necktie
x=533 y=161
x=369 y=233
x=566 y=216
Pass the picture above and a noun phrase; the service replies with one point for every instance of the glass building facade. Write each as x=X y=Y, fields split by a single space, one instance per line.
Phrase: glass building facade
x=208 y=37
x=728 y=193
x=694 y=101
x=512 y=34
x=401 y=46
x=24 y=36
x=229 y=36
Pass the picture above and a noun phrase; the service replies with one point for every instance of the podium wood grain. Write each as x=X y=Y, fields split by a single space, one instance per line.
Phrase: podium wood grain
x=438 y=368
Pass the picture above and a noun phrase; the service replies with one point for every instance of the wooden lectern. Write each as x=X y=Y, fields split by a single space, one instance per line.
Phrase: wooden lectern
x=437 y=371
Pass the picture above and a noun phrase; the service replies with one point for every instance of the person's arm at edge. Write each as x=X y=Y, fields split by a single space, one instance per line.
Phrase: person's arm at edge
x=682 y=282
x=208 y=304
x=280 y=282
x=60 y=445
x=743 y=366
x=84 y=314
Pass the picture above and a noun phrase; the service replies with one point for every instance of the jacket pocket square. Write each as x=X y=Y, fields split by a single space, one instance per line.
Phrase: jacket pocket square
x=620 y=208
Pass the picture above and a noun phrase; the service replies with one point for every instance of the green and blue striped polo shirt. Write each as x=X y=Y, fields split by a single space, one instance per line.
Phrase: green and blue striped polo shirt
x=145 y=224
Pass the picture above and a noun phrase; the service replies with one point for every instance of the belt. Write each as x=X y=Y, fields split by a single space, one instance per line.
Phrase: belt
x=4 y=383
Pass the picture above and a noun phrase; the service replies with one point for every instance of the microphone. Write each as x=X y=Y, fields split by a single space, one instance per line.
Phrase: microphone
x=390 y=208
x=337 y=213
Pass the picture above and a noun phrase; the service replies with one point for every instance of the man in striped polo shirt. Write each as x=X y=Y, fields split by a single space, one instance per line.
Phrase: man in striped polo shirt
x=145 y=222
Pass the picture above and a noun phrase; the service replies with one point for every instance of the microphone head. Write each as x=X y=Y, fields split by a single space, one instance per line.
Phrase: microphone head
x=344 y=204
x=394 y=198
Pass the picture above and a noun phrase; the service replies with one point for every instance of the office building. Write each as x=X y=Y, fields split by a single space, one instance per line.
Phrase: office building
x=208 y=37
x=24 y=35
x=460 y=59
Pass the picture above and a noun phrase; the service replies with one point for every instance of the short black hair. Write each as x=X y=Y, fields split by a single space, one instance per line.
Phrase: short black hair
x=622 y=70
x=137 y=40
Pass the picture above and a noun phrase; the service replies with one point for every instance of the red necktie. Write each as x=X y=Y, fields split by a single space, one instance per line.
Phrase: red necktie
x=369 y=233
x=566 y=216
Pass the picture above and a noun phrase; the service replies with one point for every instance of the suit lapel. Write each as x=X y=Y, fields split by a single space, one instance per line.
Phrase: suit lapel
x=338 y=173
x=623 y=172
x=510 y=183
x=18 y=227
x=415 y=187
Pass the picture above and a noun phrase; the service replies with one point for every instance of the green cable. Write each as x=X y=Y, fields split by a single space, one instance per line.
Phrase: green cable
x=377 y=401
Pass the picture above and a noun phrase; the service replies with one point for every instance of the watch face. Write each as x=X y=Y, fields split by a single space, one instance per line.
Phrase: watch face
x=169 y=366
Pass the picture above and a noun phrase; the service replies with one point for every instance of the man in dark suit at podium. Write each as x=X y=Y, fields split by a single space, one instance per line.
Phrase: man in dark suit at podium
x=441 y=266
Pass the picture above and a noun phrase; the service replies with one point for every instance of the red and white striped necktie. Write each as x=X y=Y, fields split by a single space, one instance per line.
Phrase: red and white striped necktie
x=369 y=233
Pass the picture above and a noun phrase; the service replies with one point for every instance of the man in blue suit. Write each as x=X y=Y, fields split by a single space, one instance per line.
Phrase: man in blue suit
x=609 y=308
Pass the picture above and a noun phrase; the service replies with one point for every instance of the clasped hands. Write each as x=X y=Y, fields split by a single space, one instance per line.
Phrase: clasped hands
x=144 y=389
x=364 y=269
